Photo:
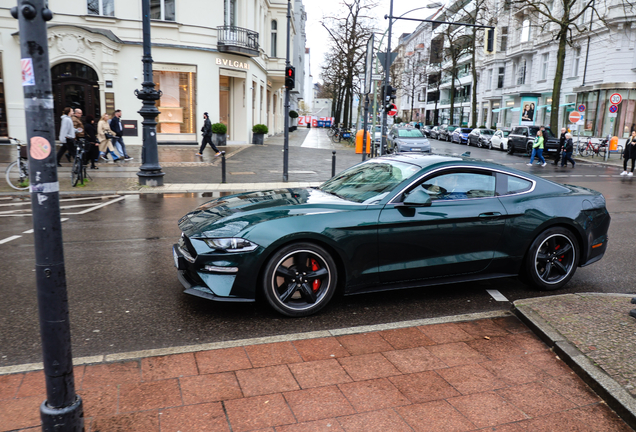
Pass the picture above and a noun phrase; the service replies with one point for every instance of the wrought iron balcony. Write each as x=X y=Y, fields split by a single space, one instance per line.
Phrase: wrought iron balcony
x=237 y=40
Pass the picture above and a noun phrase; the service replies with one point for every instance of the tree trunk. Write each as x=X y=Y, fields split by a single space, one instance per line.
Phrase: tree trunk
x=558 y=79
x=473 y=102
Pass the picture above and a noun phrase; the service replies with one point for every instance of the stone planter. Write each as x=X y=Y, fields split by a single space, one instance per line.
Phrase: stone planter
x=219 y=139
x=258 y=138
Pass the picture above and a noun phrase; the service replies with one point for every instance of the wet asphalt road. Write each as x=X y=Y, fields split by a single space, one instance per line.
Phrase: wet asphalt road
x=124 y=294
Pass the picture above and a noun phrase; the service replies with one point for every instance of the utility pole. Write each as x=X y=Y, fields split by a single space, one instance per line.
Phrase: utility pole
x=387 y=65
x=287 y=90
x=150 y=173
x=62 y=410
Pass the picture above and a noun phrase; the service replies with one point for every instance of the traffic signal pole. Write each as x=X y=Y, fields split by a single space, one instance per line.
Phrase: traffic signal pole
x=62 y=410
x=387 y=65
x=287 y=90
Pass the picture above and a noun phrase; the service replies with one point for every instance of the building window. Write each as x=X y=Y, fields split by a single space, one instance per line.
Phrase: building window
x=178 y=101
x=521 y=72
x=101 y=7
x=489 y=80
x=545 y=61
x=500 y=78
x=4 y=125
x=274 y=32
x=229 y=12
x=504 y=39
x=575 y=62
x=162 y=10
x=525 y=31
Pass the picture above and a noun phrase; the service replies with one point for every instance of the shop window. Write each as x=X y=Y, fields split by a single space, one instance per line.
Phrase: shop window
x=162 y=10
x=110 y=102
x=274 y=33
x=4 y=125
x=178 y=101
x=101 y=7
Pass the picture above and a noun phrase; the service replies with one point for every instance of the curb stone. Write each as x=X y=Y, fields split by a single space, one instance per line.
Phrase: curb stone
x=606 y=387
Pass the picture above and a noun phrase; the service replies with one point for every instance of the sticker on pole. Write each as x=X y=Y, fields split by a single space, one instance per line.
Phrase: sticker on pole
x=40 y=148
x=616 y=98
x=28 y=76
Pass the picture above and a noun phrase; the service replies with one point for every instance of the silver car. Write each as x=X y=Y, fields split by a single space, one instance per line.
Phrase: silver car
x=403 y=139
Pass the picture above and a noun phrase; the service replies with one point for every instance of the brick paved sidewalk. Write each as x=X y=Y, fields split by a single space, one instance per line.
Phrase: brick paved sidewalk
x=490 y=374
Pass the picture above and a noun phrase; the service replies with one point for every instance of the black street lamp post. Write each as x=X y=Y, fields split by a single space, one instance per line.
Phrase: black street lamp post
x=62 y=410
x=150 y=173
x=287 y=103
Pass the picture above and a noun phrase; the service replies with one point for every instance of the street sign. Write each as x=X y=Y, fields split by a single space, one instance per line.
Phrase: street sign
x=574 y=116
x=613 y=109
x=581 y=108
x=377 y=77
x=616 y=98
x=368 y=66
x=392 y=111
x=382 y=58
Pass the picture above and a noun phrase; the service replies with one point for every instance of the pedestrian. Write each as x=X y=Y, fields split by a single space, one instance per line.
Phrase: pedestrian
x=104 y=135
x=118 y=139
x=67 y=136
x=629 y=153
x=568 y=148
x=207 y=136
x=537 y=149
x=561 y=147
x=92 y=146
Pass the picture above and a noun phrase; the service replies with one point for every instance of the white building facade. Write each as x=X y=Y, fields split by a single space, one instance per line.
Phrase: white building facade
x=224 y=57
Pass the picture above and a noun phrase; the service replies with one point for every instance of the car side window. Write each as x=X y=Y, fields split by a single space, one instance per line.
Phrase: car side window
x=460 y=185
x=510 y=185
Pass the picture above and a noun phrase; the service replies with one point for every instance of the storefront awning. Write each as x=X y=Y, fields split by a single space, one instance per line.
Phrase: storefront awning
x=543 y=106
x=515 y=109
x=501 y=109
x=567 y=104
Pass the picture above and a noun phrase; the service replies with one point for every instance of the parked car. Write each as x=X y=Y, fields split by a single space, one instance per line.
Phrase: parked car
x=499 y=140
x=426 y=131
x=399 y=221
x=405 y=139
x=460 y=135
x=480 y=137
x=445 y=132
x=434 y=132
x=522 y=137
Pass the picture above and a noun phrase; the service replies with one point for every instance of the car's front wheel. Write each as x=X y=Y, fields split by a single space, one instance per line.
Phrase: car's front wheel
x=552 y=259
x=300 y=279
x=511 y=149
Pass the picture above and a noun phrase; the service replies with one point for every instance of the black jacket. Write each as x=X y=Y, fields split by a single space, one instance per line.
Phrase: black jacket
x=562 y=139
x=568 y=146
x=91 y=133
x=630 y=149
x=207 y=127
x=115 y=126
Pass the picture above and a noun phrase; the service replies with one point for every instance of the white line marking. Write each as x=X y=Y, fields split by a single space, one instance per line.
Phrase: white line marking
x=101 y=205
x=63 y=219
x=28 y=232
x=497 y=295
x=8 y=239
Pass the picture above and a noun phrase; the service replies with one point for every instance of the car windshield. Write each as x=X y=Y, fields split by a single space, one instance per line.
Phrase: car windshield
x=547 y=133
x=505 y=133
x=466 y=130
x=487 y=132
x=369 y=181
x=451 y=128
x=409 y=133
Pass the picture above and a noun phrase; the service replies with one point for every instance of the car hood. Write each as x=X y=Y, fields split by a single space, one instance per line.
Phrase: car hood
x=231 y=215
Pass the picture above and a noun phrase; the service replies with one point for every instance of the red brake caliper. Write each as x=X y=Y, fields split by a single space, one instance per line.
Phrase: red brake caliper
x=314 y=267
x=556 y=249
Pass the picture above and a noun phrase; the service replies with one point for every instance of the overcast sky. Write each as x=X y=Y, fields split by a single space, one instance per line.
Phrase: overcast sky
x=318 y=37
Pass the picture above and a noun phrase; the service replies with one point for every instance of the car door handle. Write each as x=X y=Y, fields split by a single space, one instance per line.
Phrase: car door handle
x=489 y=215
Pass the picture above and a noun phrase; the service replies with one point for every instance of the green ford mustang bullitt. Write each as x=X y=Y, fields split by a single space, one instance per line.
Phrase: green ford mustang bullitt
x=390 y=222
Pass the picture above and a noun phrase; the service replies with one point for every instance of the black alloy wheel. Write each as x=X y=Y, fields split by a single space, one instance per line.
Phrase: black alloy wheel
x=300 y=279
x=511 y=148
x=552 y=259
x=529 y=145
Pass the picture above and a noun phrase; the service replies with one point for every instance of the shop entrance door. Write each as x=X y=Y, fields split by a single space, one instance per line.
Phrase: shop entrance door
x=75 y=86
x=224 y=102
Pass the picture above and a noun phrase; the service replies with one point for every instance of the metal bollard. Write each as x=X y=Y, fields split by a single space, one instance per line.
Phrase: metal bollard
x=223 y=179
x=333 y=164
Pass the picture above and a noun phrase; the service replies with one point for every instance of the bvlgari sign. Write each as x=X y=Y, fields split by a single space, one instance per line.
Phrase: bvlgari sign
x=232 y=63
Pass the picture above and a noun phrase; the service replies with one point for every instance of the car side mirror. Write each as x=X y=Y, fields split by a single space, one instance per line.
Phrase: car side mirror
x=417 y=198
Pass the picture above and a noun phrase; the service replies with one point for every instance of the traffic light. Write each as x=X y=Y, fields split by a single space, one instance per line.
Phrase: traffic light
x=389 y=97
x=290 y=77
x=489 y=47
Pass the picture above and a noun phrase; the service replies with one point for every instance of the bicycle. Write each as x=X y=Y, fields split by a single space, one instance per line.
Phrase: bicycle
x=591 y=149
x=17 y=173
x=78 y=171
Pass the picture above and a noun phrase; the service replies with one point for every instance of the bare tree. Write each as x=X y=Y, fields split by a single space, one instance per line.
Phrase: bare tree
x=413 y=81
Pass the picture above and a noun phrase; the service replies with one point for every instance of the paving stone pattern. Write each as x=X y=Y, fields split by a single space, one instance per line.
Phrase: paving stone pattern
x=601 y=328
x=490 y=375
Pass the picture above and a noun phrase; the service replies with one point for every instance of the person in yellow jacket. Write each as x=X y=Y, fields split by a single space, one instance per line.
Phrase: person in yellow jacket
x=537 y=149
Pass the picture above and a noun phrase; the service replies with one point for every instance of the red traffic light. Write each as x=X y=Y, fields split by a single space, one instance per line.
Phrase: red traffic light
x=290 y=73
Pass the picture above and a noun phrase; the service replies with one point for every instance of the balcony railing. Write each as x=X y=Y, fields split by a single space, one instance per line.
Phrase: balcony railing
x=237 y=40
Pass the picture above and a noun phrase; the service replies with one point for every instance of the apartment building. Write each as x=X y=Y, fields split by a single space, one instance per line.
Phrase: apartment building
x=224 y=57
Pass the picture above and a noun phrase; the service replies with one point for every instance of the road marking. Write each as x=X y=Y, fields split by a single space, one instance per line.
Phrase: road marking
x=28 y=231
x=100 y=206
x=497 y=295
x=27 y=212
x=8 y=239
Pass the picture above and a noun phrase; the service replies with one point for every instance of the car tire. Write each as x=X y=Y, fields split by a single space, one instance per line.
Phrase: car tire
x=552 y=259
x=300 y=279
x=529 y=145
x=511 y=149
x=479 y=144
x=489 y=145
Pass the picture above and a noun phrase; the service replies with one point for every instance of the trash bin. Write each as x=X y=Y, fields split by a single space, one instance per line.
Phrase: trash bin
x=321 y=123
x=359 y=141
x=327 y=123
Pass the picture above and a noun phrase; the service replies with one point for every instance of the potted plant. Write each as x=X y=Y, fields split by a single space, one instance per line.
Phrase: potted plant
x=258 y=133
x=293 y=115
x=219 y=134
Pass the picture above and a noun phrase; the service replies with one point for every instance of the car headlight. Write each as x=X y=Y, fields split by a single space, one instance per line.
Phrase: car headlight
x=231 y=244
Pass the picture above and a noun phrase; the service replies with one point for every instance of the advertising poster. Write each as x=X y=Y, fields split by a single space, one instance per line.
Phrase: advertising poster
x=528 y=110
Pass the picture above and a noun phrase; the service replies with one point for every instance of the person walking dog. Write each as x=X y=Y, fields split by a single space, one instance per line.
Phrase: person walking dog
x=207 y=136
x=537 y=150
x=629 y=153
x=568 y=148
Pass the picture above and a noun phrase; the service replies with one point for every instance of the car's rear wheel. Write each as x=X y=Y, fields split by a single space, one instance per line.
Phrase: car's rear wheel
x=529 y=145
x=489 y=145
x=552 y=259
x=300 y=279
x=511 y=148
